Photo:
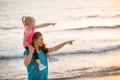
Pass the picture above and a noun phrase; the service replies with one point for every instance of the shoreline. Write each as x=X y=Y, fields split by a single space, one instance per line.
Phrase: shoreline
x=110 y=73
x=112 y=77
x=109 y=77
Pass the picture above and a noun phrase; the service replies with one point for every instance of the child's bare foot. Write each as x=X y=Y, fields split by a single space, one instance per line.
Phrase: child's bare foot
x=42 y=67
x=52 y=59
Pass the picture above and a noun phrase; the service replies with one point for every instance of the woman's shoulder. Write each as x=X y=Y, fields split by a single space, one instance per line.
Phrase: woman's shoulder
x=41 y=53
x=26 y=52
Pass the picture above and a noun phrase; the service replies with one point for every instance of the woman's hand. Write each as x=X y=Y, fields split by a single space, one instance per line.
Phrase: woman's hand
x=53 y=24
x=31 y=48
x=70 y=42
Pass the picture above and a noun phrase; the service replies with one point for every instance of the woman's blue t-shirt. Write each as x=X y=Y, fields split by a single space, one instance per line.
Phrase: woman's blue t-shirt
x=33 y=68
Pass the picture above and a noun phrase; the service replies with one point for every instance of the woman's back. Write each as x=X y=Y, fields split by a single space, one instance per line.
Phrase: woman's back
x=33 y=69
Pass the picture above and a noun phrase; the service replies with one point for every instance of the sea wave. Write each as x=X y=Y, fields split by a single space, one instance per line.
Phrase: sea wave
x=3 y=57
x=91 y=51
x=92 y=16
x=81 y=28
x=94 y=27
x=9 y=28
x=88 y=51
x=99 y=16
x=88 y=72
x=87 y=28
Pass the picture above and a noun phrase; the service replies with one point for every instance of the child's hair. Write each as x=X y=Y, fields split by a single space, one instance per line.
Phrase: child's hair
x=26 y=20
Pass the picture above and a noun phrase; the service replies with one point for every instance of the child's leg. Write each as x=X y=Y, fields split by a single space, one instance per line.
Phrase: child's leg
x=51 y=58
x=36 y=58
x=48 y=55
x=41 y=66
x=38 y=61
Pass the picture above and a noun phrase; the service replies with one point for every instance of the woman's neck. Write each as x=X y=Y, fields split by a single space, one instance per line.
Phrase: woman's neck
x=36 y=47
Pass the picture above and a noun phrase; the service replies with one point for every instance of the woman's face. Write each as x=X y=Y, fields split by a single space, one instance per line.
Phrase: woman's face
x=39 y=41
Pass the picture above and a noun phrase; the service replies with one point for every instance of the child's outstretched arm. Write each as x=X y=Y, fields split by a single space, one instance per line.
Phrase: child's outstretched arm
x=59 y=46
x=45 y=25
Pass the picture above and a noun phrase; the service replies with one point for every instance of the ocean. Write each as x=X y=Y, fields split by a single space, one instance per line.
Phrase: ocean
x=93 y=24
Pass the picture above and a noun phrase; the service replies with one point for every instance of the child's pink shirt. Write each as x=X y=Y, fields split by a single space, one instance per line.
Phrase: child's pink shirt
x=29 y=37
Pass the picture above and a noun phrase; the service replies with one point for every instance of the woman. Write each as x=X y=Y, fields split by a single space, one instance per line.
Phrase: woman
x=39 y=46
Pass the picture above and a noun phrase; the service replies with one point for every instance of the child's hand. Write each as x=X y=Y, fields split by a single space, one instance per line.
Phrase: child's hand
x=70 y=42
x=31 y=48
x=53 y=24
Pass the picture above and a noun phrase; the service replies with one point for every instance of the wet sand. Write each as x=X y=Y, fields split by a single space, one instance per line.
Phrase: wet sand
x=110 y=73
x=115 y=77
x=112 y=77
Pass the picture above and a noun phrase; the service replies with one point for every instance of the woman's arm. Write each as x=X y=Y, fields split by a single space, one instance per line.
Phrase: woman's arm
x=59 y=46
x=44 y=25
x=27 y=58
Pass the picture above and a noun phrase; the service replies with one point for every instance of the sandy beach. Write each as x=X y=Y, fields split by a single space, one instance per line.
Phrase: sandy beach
x=111 y=73
x=112 y=77
x=115 y=77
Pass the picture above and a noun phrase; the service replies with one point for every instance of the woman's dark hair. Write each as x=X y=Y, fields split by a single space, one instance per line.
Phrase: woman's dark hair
x=43 y=47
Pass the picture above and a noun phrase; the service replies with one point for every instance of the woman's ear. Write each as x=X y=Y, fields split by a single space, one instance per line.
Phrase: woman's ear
x=34 y=40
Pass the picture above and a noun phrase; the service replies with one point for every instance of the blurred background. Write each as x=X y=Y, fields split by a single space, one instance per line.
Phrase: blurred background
x=94 y=24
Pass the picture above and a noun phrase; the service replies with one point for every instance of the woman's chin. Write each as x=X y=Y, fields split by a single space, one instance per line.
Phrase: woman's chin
x=40 y=45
